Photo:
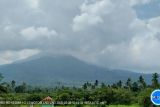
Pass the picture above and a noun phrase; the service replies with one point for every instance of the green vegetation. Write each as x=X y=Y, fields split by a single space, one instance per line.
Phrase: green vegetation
x=124 y=106
x=72 y=106
x=129 y=93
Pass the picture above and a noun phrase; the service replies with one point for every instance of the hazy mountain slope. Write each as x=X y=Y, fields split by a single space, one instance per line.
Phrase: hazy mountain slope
x=48 y=70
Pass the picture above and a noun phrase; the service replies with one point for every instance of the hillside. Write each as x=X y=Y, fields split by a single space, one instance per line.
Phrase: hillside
x=50 y=70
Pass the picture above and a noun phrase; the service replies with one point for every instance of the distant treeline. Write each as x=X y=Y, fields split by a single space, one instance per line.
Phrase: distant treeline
x=129 y=92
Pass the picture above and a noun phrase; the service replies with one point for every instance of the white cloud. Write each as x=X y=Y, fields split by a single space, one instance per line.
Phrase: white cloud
x=10 y=56
x=32 y=33
x=85 y=20
x=139 y=2
x=154 y=24
x=127 y=42
x=105 y=32
x=33 y=3
x=92 y=13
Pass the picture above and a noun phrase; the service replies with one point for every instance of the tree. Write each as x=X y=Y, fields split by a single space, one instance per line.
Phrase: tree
x=1 y=77
x=142 y=83
x=155 y=77
x=13 y=84
x=129 y=83
x=96 y=83
x=85 y=86
x=3 y=87
x=135 y=87
x=21 y=88
x=64 y=97
x=119 y=84
x=34 y=97
x=89 y=85
x=93 y=87
x=144 y=97
x=103 y=85
x=114 y=85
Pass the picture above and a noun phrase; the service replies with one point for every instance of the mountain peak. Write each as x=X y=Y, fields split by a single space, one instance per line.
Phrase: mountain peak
x=50 y=69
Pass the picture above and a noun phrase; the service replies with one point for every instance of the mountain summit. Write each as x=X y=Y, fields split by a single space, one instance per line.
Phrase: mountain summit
x=50 y=70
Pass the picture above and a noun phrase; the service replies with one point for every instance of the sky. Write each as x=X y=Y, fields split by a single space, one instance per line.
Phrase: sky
x=118 y=34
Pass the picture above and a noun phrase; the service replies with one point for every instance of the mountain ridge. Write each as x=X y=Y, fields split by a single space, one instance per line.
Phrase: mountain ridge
x=49 y=70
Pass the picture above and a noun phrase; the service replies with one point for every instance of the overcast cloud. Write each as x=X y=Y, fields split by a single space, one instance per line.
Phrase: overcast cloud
x=108 y=33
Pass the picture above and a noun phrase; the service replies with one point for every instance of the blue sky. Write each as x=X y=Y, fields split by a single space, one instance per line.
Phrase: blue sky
x=119 y=34
x=148 y=11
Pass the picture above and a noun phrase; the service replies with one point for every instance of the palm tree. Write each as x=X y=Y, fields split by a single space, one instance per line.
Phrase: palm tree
x=85 y=86
x=119 y=83
x=96 y=83
x=142 y=83
x=13 y=84
x=129 y=83
x=155 y=77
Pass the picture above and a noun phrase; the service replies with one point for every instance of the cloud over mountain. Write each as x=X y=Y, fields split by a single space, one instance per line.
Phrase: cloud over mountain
x=105 y=32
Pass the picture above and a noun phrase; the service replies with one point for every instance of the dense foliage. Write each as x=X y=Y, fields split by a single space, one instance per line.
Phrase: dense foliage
x=129 y=92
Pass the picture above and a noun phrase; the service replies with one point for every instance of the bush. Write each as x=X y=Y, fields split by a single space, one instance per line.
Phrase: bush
x=34 y=97
x=144 y=97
